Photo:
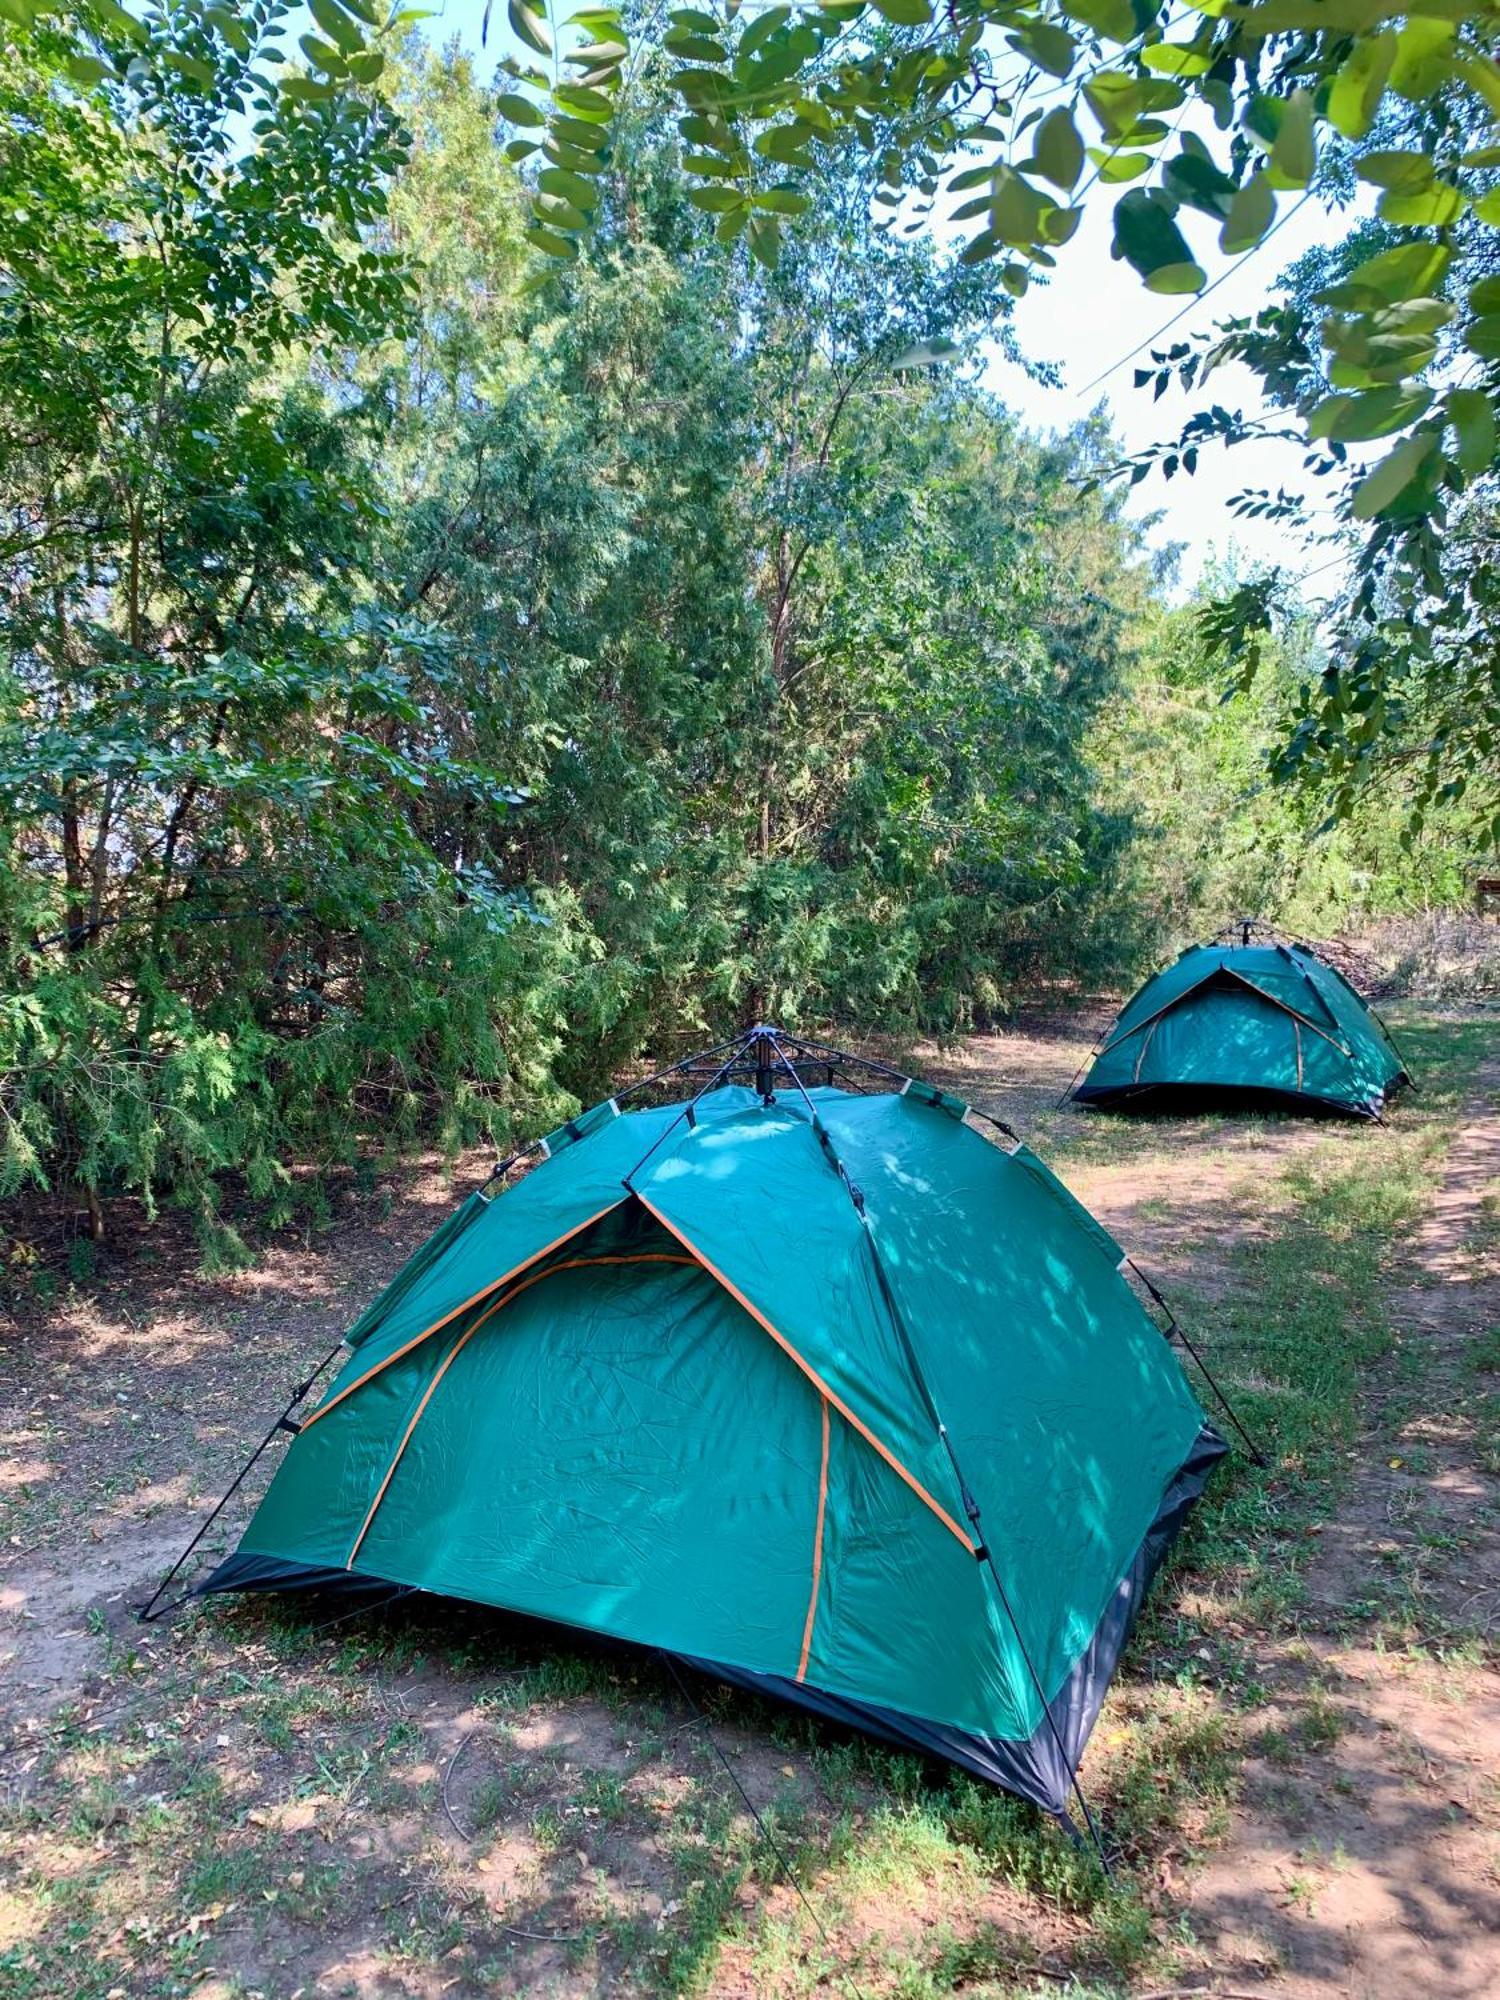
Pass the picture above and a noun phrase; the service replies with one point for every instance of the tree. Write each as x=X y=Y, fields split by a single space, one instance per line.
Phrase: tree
x=199 y=726
x=1011 y=114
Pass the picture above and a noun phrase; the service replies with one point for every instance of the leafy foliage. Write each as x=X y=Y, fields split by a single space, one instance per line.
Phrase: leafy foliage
x=1002 y=117
x=424 y=686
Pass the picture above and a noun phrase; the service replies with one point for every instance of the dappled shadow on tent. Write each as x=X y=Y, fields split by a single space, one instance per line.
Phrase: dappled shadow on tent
x=626 y=1439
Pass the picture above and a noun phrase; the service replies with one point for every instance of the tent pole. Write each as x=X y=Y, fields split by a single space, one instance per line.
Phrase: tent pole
x=1174 y=1331
x=641 y=1083
x=148 y=1612
x=689 y=1110
x=971 y=1508
x=970 y=1504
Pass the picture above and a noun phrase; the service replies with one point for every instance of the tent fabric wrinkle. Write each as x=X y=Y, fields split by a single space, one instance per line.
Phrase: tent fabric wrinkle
x=675 y=1388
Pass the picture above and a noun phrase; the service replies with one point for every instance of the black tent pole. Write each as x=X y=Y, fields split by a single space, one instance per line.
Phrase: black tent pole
x=689 y=1110
x=1173 y=1331
x=970 y=1504
x=147 y=1612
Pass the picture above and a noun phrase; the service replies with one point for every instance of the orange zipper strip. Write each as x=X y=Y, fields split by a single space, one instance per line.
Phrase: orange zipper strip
x=814 y=1377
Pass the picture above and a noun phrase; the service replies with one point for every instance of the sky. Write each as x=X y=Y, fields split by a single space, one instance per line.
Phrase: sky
x=1085 y=320
x=1094 y=312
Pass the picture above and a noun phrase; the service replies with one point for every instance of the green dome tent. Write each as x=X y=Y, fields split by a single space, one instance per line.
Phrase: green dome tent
x=1245 y=1022
x=813 y=1388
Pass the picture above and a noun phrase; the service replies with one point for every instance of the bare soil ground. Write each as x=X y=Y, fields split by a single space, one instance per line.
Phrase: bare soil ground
x=1300 y=1762
x=1374 y=1868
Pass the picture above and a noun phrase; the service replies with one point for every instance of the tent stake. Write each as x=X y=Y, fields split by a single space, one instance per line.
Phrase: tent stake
x=765 y=1832
x=148 y=1612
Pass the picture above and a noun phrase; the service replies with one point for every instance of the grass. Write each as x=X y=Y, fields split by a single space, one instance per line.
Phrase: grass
x=255 y=1798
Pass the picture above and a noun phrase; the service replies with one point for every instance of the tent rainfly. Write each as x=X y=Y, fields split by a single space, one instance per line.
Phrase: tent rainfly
x=1241 y=1021
x=811 y=1387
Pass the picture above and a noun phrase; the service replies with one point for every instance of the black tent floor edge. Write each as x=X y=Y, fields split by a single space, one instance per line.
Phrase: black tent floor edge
x=1039 y=1769
x=1184 y=1099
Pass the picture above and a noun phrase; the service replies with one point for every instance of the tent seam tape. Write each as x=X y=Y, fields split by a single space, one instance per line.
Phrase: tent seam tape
x=817 y=1381
x=573 y=1264
x=817 y=1568
x=473 y=1300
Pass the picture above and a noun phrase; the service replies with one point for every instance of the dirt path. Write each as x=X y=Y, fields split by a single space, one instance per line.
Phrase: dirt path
x=1369 y=1867
x=425 y=1805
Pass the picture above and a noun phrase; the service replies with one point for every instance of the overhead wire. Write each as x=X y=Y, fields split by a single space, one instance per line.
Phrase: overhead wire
x=1197 y=298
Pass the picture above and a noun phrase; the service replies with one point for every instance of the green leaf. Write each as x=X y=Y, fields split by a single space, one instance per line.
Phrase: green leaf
x=107 y=12
x=584 y=102
x=1482 y=73
x=1150 y=241
x=1294 y=151
x=1472 y=416
x=1424 y=58
x=1175 y=59
x=1112 y=20
x=1196 y=182
x=786 y=144
x=1355 y=419
x=1406 y=173
x=1117 y=167
x=905 y=14
x=1173 y=280
x=1482 y=337
x=550 y=243
x=1381 y=488
x=1058 y=148
x=783 y=201
x=1485 y=297
x=1413 y=270
x=979 y=249
x=86 y=71
x=1487 y=208
x=518 y=110
x=337 y=25
x=556 y=213
x=1412 y=316
x=760 y=32
x=1051 y=48
x=579 y=133
x=1433 y=208
x=764 y=238
x=1016 y=208
x=1356 y=91
x=530 y=24
x=569 y=187
x=717 y=200
x=696 y=48
x=1251 y=214
x=200 y=74
x=1116 y=99
x=599 y=57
